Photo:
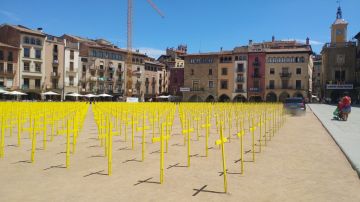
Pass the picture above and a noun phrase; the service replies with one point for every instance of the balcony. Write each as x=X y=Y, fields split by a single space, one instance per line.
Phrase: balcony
x=55 y=75
x=285 y=74
x=287 y=87
x=111 y=69
x=240 y=79
x=256 y=64
x=270 y=87
x=254 y=90
x=7 y=73
x=71 y=72
x=256 y=75
x=240 y=70
x=101 y=69
x=93 y=78
x=239 y=91
x=197 y=89
x=55 y=62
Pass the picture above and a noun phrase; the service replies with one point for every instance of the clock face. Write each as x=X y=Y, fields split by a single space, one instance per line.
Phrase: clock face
x=339 y=32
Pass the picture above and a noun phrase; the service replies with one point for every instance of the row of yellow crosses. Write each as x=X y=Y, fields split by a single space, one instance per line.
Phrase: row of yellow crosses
x=260 y=121
x=49 y=119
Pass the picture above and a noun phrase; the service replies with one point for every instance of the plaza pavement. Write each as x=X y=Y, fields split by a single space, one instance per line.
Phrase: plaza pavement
x=300 y=163
x=345 y=133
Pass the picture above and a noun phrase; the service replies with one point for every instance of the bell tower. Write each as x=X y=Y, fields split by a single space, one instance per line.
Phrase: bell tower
x=339 y=28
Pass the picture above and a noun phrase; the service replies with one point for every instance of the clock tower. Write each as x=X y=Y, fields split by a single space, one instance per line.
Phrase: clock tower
x=339 y=28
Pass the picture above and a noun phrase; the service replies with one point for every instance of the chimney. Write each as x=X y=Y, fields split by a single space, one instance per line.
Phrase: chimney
x=250 y=42
x=273 y=39
x=307 y=41
x=40 y=29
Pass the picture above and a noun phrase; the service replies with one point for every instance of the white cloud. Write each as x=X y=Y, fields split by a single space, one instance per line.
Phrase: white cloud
x=152 y=52
x=10 y=15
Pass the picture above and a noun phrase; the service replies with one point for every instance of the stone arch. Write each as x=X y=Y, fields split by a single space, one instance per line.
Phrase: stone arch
x=224 y=98
x=210 y=98
x=195 y=98
x=271 y=97
x=239 y=98
x=283 y=96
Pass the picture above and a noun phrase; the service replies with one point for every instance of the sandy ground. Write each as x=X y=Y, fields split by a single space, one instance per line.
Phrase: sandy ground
x=301 y=163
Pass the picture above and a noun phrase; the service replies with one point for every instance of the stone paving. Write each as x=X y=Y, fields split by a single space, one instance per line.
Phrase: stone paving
x=345 y=133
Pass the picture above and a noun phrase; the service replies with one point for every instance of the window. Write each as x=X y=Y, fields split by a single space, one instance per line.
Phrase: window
x=38 y=42
x=340 y=75
x=10 y=56
x=26 y=52
x=37 y=67
x=84 y=68
x=38 y=54
x=71 y=54
x=1 y=82
x=55 y=49
x=26 y=66
x=26 y=40
x=192 y=72
x=240 y=67
x=271 y=84
x=119 y=66
x=55 y=83
x=340 y=59
x=1 y=55
x=71 y=80
x=33 y=41
x=224 y=84
x=284 y=84
x=223 y=71
x=1 y=67
x=196 y=85
x=211 y=84
x=272 y=71
x=26 y=83
x=9 y=67
x=37 y=83
x=71 y=66
x=298 y=84
x=210 y=72
x=298 y=70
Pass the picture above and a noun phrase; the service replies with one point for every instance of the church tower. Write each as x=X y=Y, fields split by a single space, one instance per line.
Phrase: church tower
x=339 y=28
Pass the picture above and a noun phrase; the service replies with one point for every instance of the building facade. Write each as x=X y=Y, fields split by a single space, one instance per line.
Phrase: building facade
x=174 y=64
x=339 y=62
x=317 y=76
x=31 y=57
x=9 y=67
x=288 y=73
x=240 y=70
x=102 y=66
x=72 y=68
x=54 y=64
x=201 y=77
x=256 y=72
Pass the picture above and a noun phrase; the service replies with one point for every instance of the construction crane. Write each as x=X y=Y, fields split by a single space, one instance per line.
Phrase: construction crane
x=129 y=57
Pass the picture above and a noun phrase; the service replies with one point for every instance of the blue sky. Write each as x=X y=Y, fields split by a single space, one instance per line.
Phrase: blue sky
x=204 y=25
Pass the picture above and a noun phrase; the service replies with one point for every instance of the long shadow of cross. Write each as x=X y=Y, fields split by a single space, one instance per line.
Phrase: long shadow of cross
x=95 y=173
x=176 y=166
x=230 y=173
x=129 y=160
x=57 y=166
x=202 y=189
x=146 y=181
